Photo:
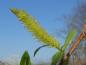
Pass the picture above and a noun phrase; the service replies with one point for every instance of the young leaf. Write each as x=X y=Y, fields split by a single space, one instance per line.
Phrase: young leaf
x=34 y=27
x=39 y=49
x=57 y=57
x=25 y=60
x=69 y=38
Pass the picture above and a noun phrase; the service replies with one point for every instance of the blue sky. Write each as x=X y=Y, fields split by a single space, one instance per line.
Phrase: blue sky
x=14 y=37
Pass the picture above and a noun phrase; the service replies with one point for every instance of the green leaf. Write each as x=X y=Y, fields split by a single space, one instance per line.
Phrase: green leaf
x=39 y=49
x=25 y=60
x=69 y=39
x=33 y=26
x=57 y=57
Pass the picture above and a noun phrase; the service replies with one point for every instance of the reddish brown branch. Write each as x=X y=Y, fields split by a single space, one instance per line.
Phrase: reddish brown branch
x=76 y=43
x=74 y=46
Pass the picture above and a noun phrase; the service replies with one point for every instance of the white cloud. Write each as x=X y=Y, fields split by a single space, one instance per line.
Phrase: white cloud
x=11 y=60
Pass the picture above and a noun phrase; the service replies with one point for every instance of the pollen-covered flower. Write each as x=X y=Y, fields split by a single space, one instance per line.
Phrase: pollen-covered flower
x=34 y=27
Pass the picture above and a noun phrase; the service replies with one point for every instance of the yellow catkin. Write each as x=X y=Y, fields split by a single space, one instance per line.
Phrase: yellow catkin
x=34 y=27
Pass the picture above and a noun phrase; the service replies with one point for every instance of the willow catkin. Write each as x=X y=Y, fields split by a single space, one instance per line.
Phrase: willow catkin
x=34 y=27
